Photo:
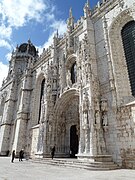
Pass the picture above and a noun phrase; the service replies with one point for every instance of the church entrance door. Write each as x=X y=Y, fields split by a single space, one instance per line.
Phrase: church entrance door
x=73 y=141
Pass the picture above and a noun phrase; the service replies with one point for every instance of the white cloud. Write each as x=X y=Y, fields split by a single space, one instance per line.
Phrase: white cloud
x=61 y=26
x=4 y=43
x=5 y=32
x=8 y=56
x=17 y=12
x=3 y=72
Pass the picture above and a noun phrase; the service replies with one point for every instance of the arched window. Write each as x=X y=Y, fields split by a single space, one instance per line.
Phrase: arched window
x=73 y=73
x=128 y=38
x=41 y=99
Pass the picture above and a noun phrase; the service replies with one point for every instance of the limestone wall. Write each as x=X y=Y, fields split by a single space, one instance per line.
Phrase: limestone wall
x=113 y=78
x=34 y=142
x=126 y=135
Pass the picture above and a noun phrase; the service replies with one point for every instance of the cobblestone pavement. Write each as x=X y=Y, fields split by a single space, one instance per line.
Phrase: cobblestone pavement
x=27 y=170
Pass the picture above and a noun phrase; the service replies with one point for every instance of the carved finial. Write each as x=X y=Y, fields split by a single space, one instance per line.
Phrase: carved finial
x=70 y=13
x=29 y=41
x=17 y=48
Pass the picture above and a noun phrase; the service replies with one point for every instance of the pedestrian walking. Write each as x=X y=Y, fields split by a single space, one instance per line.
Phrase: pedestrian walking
x=13 y=156
x=21 y=153
x=52 y=152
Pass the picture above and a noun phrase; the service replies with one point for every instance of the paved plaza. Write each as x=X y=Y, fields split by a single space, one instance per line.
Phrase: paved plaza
x=28 y=170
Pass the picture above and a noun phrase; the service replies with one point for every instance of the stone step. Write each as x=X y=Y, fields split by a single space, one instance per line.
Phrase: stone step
x=83 y=163
x=103 y=166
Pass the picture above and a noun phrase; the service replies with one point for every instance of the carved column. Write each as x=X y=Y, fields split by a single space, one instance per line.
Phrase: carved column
x=86 y=123
x=101 y=125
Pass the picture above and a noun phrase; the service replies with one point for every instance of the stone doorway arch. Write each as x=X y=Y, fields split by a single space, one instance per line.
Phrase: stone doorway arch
x=66 y=116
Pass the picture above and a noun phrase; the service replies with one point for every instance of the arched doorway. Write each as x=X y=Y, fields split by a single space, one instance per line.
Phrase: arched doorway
x=73 y=141
x=67 y=124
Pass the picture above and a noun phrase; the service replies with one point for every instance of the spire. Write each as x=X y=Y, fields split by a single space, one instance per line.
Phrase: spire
x=87 y=9
x=70 y=13
x=88 y=4
x=70 y=21
x=57 y=33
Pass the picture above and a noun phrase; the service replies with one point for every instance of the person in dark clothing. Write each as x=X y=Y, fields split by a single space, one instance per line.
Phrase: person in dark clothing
x=52 y=152
x=21 y=155
x=13 y=156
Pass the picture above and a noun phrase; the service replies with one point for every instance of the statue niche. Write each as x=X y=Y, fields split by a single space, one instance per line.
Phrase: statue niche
x=74 y=73
x=104 y=109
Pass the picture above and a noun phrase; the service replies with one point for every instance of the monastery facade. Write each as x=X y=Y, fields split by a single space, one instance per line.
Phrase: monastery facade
x=79 y=93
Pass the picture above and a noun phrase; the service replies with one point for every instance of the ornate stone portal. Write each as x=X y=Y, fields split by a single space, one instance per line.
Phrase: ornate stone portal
x=66 y=127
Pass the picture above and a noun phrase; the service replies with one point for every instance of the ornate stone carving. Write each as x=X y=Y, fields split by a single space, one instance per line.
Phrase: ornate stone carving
x=61 y=128
x=104 y=109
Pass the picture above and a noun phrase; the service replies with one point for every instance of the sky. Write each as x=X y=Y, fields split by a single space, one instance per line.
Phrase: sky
x=36 y=20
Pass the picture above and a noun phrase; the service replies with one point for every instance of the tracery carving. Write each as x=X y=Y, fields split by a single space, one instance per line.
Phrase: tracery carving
x=61 y=128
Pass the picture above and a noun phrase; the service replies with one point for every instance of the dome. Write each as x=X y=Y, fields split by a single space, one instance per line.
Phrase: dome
x=27 y=47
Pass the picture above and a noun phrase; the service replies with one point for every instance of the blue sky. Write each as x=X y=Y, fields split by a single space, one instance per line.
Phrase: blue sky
x=34 y=19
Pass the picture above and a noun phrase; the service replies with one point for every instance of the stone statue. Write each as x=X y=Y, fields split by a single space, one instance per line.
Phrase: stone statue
x=85 y=109
x=55 y=71
x=98 y=118
x=104 y=120
x=48 y=88
x=69 y=79
x=97 y=106
x=104 y=105
x=54 y=84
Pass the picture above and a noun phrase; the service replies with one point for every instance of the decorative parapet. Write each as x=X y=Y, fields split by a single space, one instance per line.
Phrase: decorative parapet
x=100 y=8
